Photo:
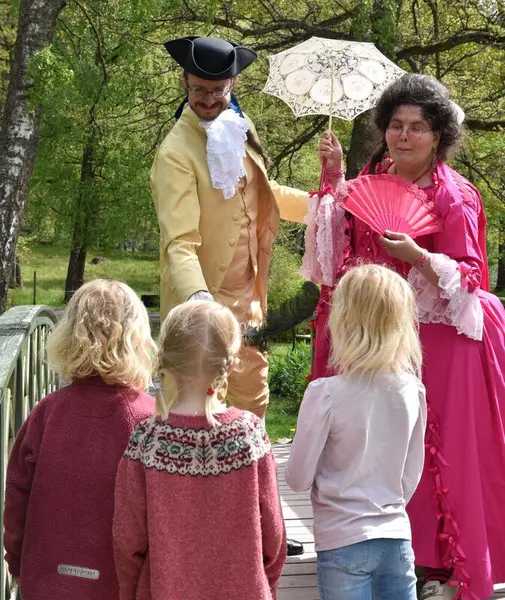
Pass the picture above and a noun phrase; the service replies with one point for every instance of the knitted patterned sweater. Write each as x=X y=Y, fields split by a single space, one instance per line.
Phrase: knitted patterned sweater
x=197 y=511
x=59 y=499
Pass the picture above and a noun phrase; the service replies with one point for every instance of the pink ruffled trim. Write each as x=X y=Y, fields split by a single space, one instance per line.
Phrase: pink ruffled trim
x=449 y=534
x=449 y=303
x=309 y=266
x=326 y=238
x=331 y=238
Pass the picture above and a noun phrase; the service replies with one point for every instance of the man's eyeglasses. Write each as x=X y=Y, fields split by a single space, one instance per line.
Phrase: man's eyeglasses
x=201 y=93
x=416 y=132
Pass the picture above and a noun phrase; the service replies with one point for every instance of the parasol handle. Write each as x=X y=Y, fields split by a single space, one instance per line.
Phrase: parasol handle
x=331 y=94
x=323 y=179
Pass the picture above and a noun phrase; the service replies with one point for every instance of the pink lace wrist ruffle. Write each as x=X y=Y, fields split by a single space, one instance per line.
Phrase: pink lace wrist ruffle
x=449 y=302
x=325 y=239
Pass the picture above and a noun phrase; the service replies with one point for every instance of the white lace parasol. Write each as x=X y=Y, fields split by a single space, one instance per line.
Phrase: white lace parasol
x=330 y=77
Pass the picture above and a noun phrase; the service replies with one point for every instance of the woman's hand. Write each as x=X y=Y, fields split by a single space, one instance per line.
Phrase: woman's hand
x=329 y=149
x=401 y=246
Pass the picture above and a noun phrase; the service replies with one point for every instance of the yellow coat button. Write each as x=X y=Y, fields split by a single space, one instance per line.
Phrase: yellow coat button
x=222 y=267
x=231 y=241
x=236 y=217
x=213 y=290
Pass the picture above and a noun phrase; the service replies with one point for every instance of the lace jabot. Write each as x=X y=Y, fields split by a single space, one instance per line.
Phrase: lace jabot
x=226 y=137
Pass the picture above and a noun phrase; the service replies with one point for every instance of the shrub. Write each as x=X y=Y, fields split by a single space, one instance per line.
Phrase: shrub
x=284 y=281
x=288 y=376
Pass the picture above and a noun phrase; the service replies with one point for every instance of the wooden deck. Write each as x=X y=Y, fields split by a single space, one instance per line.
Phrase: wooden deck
x=298 y=581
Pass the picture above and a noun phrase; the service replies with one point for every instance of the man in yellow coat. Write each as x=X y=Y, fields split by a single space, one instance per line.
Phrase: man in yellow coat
x=218 y=213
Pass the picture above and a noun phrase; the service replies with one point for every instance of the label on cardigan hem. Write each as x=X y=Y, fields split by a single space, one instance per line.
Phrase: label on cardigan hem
x=78 y=572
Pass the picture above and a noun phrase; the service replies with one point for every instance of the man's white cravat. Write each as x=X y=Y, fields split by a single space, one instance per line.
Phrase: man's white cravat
x=226 y=137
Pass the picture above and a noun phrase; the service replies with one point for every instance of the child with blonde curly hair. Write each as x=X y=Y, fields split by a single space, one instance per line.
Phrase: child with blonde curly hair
x=359 y=442
x=197 y=511
x=60 y=480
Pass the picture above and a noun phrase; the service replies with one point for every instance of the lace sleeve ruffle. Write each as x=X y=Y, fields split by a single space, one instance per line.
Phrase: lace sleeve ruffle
x=451 y=302
x=309 y=268
x=325 y=239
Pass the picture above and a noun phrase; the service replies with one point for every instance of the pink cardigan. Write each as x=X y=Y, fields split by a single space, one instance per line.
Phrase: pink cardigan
x=60 y=490
x=197 y=513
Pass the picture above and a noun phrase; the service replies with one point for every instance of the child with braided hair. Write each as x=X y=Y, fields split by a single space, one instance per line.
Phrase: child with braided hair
x=197 y=511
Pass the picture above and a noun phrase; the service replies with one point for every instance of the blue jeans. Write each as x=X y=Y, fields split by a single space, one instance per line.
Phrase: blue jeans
x=381 y=569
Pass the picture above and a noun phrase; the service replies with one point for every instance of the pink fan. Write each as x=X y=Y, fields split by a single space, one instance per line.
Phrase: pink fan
x=388 y=202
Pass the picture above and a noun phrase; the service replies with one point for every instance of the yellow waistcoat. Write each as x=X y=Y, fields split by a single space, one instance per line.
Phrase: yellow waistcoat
x=198 y=227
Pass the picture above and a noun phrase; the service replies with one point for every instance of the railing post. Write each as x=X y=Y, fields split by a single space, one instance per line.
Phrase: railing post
x=5 y=418
x=25 y=377
x=20 y=404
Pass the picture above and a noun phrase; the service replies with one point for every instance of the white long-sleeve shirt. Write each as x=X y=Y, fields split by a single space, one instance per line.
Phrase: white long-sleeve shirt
x=359 y=444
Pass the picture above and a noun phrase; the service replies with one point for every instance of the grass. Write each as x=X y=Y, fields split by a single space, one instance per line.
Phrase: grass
x=280 y=425
x=140 y=270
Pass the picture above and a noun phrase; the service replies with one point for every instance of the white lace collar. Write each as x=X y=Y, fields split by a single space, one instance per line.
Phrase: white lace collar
x=226 y=137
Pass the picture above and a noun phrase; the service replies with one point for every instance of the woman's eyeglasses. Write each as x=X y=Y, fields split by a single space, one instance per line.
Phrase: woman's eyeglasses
x=200 y=93
x=416 y=132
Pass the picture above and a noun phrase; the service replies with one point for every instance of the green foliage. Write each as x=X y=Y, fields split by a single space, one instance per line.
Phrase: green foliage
x=362 y=22
x=108 y=99
x=384 y=21
x=50 y=73
x=107 y=71
x=23 y=249
x=8 y=18
x=284 y=280
x=288 y=376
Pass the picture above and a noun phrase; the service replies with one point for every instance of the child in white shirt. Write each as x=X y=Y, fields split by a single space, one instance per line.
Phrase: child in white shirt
x=360 y=441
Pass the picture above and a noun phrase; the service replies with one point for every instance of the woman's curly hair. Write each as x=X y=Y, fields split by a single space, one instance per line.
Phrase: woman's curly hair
x=433 y=98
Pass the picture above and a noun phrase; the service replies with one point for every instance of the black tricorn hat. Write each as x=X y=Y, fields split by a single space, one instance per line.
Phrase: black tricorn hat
x=210 y=58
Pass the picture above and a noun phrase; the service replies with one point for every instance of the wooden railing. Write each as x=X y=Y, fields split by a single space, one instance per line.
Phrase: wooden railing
x=25 y=378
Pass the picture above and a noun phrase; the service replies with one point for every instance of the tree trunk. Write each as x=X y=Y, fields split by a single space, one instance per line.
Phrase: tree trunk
x=16 y=277
x=364 y=142
x=84 y=210
x=19 y=132
x=75 y=271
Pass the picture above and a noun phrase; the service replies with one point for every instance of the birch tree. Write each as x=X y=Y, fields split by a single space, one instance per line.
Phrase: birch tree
x=19 y=131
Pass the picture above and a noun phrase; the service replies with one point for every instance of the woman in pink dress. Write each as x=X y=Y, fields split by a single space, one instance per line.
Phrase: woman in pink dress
x=458 y=511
